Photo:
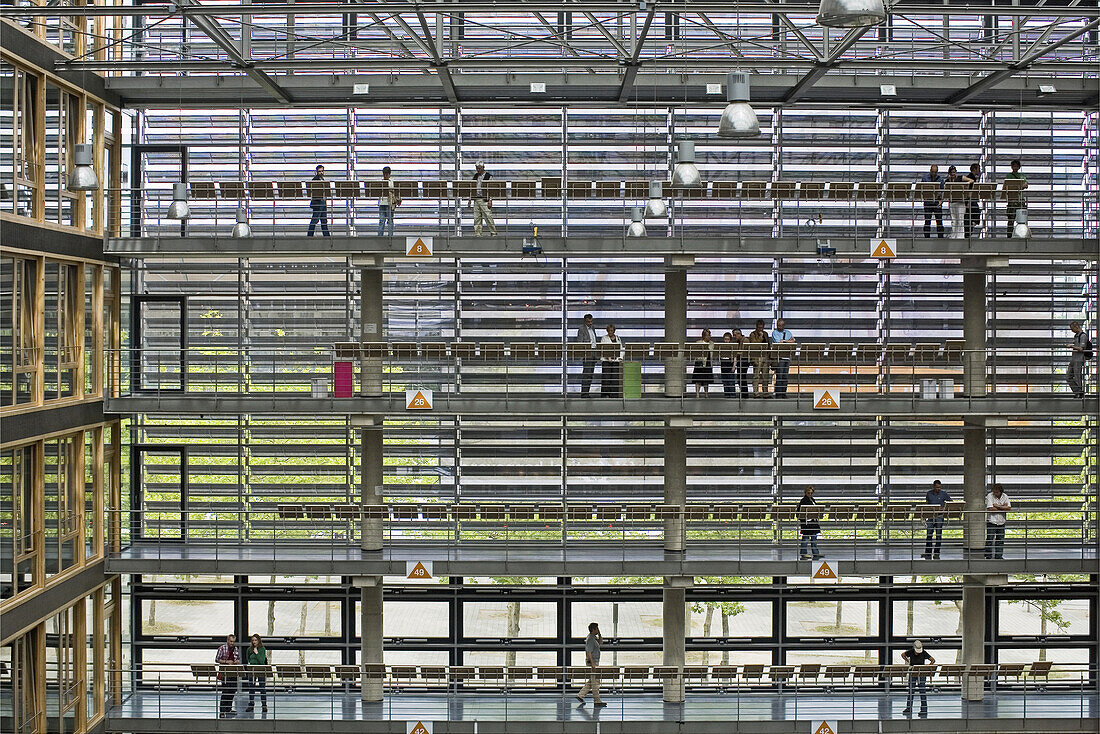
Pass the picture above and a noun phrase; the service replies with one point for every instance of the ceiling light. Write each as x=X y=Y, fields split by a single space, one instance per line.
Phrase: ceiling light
x=178 y=208
x=686 y=175
x=655 y=207
x=739 y=118
x=360 y=89
x=241 y=228
x=1047 y=89
x=636 y=228
x=887 y=90
x=82 y=177
x=850 y=13
x=538 y=87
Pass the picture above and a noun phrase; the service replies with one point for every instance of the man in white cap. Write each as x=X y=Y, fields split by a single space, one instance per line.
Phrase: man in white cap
x=481 y=203
x=917 y=655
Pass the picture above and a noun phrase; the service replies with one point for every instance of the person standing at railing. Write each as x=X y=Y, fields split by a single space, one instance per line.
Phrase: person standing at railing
x=481 y=203
x=1014 y=196
x=587 y=335
x=742 y=363
x=761 y=371
x=996 y=504
x=782 y=335
x=611 y=367
x=1081 y=350
x=257 y=680
x=973 y=206
x=725 y=364
x=319 y=206
x=388 y=202
x=956 y=207
x=592 y=645
x=702 y=375
x=933 y=537
x=917 y=655
x=809 y=525
x=933 y=203
x=227 y=654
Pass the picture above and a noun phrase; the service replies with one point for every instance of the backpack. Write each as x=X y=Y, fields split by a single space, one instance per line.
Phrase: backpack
x=1088 y=349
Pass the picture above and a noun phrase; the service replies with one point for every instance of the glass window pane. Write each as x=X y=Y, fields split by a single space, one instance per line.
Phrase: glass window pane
x=190 y=617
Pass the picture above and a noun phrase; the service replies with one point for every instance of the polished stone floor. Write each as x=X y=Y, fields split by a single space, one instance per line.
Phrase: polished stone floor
x=755 y=706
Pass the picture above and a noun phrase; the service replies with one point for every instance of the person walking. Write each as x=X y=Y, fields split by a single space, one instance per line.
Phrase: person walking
x=933 y=202
x=388 y=202
x=956 y=207
x=782 y=335
x=761 y=375
x=592 y=645
x=1081 y=350
x=996 y=504
x=703 y=373
x=1014 y=195
x=611 y=368
x=917 y=655
x=809 y=526
x=257 y=679
x=481 y=203
x=587 y=335
x=725 y=365
x=933 y=536
x=227 y=654
x=973 y=206
x=319 y=206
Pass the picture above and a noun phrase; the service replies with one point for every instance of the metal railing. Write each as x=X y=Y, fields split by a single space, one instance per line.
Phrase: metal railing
x=721 y=208
x=1035 y=689
x=489 y=370
x=754 y=532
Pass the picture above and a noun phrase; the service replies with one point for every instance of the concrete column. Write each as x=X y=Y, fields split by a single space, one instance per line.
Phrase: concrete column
x=974 y=486
x=370 y=457
x=675 y=473
x=674 y=622
x=370 y=652
x=973 y=634
x=676 y=321
x=370 y=321
x=974 y=327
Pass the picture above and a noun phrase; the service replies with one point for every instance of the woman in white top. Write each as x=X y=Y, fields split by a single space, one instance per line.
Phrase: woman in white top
x=703 y=374
x=611 y=367
x=956 y=207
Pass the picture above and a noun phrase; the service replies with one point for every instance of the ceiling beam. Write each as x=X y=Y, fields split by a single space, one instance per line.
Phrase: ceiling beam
x=631 y=72
x=225 y=42
x=821 y=68
x=1032 y=57
x=494 y=8
x=428 y=46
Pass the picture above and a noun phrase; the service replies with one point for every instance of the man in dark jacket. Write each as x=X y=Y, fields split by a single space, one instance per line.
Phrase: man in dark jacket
x=319 y=206
x=809 y=525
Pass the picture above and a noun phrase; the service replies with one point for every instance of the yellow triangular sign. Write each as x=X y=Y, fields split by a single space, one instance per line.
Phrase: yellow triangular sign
x=826 y=401
x=824 y=728
x=421 y=729
x=419 y=249
x=825 y=572
x=419 y=572
x=883 y=250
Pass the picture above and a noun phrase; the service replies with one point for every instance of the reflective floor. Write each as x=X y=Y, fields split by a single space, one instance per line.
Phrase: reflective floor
x=632 y=706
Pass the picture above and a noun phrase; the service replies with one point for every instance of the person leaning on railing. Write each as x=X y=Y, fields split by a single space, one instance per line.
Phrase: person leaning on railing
x=917 y=655
x=996 y=504
x=1014 y=195
x=227 y=654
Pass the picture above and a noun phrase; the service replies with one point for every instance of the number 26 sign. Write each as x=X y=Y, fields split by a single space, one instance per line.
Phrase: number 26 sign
x=418 y=400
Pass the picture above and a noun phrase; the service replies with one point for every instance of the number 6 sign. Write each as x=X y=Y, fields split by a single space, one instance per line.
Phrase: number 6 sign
x=418 y=400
